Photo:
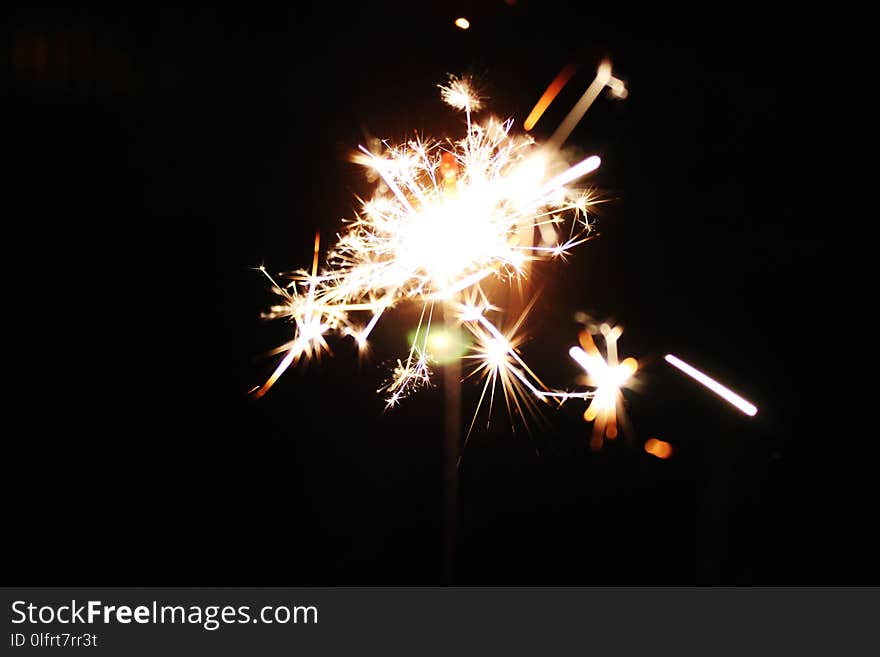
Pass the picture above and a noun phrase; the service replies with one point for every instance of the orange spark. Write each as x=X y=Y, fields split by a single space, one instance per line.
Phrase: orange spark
x=659 y=448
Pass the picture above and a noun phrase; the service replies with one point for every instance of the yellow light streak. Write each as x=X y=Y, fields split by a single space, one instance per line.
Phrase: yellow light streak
x=549 y=96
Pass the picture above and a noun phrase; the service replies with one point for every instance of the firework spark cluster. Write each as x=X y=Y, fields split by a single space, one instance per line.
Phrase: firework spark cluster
x=449 y=225
x=448 y=220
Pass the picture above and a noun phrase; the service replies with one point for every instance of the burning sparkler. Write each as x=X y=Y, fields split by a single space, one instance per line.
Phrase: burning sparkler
x=447 y=217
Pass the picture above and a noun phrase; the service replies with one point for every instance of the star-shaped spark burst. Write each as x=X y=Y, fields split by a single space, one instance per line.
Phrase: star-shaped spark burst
x=498 y=363
x=608 y=377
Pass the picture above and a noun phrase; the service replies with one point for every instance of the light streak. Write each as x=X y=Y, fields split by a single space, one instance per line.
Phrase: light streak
x=603 y=79
x=549 y=96
x=746 y=407
x=579 y=170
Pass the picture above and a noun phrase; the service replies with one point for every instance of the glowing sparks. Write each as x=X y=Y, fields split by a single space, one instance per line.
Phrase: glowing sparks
x=607 y=376
x=725 y=393
x=460 y=93
x=310 y=318
x=445 y=218
x=496 y=365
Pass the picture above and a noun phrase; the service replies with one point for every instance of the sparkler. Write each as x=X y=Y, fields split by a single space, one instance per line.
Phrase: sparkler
x=447 y=218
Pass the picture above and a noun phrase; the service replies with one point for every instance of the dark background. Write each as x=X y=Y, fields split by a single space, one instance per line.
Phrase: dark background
x=156 y=156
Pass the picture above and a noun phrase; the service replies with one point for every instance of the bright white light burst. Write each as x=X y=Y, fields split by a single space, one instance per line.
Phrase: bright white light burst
x=446 y=218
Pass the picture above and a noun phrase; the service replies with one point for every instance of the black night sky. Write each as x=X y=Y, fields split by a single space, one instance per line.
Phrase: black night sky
x=156 y=156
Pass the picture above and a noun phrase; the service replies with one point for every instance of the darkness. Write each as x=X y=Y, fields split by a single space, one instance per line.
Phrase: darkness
x=157 y=156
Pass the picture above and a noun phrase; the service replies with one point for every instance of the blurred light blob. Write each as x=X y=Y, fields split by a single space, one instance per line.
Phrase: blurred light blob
x=462 y=23
x=659 y=448
x=617 y=88
x=439 y=345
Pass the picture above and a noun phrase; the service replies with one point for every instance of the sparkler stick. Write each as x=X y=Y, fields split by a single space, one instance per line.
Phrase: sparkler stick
x=725 y=393
x=451 y=450
x=452 y=383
